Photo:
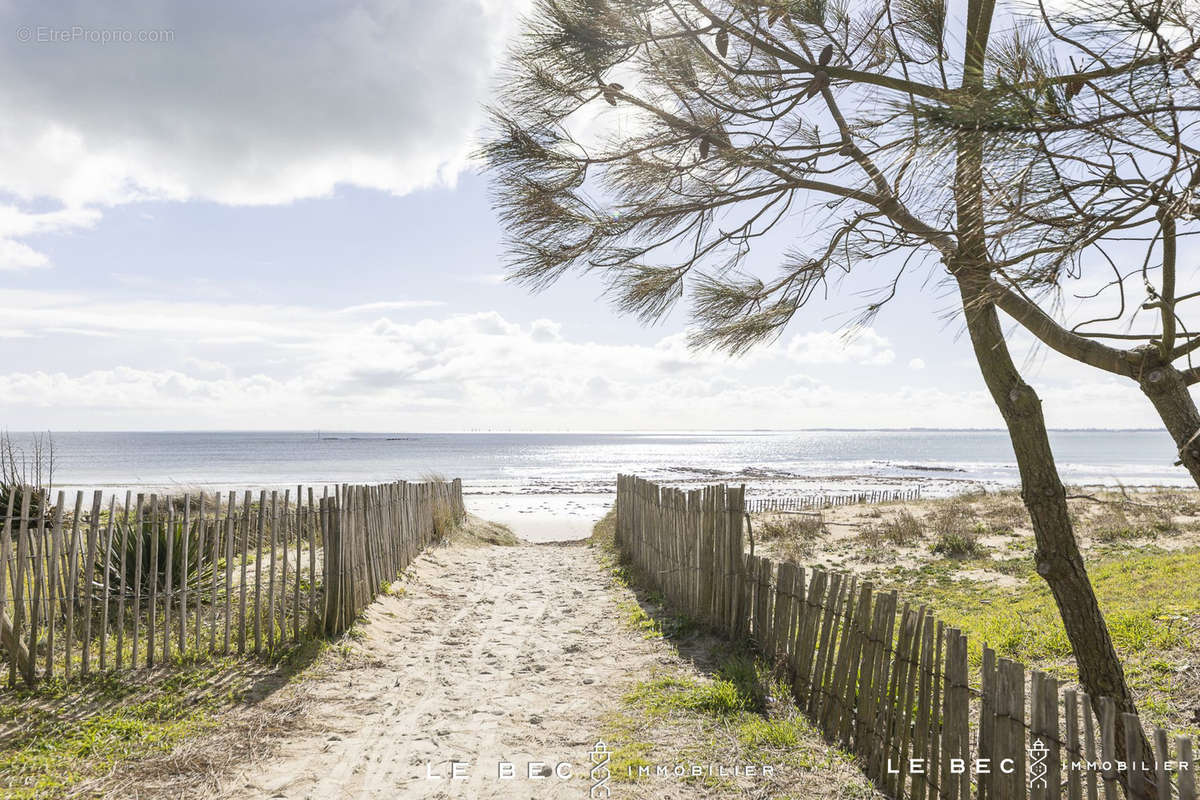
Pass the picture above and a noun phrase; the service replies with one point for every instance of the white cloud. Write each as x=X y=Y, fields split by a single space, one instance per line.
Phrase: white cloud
x=247 y=103
x=545 y=330
x=16 y=223
x=863 y=347
x=259 y=103
x=17 y=256
x=485 y=278
x=916 y=363
x=239 y=365
x=295 y=366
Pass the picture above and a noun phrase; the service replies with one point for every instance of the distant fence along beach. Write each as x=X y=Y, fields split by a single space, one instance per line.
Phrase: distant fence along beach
x=886 y=680
x=819 y=501
x=93 y=584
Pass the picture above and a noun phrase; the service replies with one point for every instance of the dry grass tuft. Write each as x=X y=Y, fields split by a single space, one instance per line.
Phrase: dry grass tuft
x=956 y=530
x=795 y=535
x=444 y=522
x=902 y=529
x=475 y=531
x=964 y=544
x=802 y=526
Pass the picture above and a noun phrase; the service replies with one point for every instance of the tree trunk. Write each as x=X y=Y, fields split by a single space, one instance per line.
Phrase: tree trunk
x=1058 y=559
x=1166 y=388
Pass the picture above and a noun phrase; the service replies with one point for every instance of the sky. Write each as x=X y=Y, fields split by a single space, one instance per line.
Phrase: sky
x=265 y=216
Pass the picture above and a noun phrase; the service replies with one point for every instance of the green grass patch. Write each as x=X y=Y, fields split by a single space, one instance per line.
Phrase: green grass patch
x=730 y=692
x=51 y=750
x=958 y=544
x=762 y=733
x=739 y=713
x=59 y=735
x=1144 y=601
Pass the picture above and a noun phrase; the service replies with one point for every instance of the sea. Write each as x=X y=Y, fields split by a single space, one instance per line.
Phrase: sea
x=561 y=482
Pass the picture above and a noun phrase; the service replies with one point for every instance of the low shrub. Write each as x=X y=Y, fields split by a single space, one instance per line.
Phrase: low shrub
x=796 y=535
x=963 y=544
x=902 y=529
x=872 y=544
x=953 y=517
x=1116 y=523
x=793 y=526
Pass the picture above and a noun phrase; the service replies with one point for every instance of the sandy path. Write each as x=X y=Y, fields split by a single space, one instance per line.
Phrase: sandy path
x=484 y=655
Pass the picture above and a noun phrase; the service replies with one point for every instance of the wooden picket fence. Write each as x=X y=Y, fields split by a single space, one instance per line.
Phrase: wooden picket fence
x=885 y=680
x=118 y=586
x=818 y=501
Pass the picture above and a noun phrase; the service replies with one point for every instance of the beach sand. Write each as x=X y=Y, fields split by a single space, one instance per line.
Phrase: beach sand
x=542 y=517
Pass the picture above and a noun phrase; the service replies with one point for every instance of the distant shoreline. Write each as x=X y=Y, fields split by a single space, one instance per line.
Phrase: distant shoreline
x=334 y=433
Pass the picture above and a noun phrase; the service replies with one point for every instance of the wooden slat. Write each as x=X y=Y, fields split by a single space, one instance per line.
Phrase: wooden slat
x=1002 y=746
x=797 y=656
x=327 y=562
x=1038 y=772
x=1161 y=782
x=803 y=686
x=1187 y=777
x=987 y=721
x=1089 y=730
x=230 y=526
x=1133 y=751
x=152 y=583
x=89 y=581
x=299 y=532
x=314 y=526
x=828 y=608
x=244 y=584
x=258 y=569
x=281 y=521
x=201 y=533
x=1017 y=739
x=888 y=687
x=1074 y=750
x=125 y=565
x=53 y=582
x=73 y=547
x=908 y=685
x=954 y=714
x=856 y=628
x=271 y=578
x=835 y=683
x=106 y=580
x=18 y=594
x=9 y=638
x=1053 y=735
x=184 y=572
x=1108 y=746
x=216 y=574
x=924 y=732
x=37 y=569
x=168 y=582
x=879 y=711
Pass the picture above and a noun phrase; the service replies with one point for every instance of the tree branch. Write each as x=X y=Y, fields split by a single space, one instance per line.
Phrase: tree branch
x=1058 y=338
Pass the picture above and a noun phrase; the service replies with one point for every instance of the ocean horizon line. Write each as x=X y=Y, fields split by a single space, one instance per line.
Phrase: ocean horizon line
x=324 y=433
